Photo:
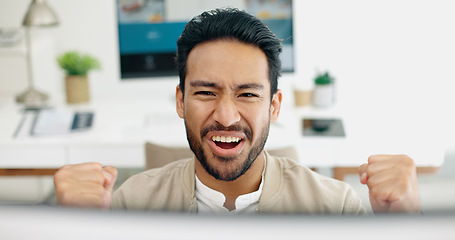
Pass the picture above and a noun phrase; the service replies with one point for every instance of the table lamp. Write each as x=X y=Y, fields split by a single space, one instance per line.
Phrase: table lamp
x=39 y=14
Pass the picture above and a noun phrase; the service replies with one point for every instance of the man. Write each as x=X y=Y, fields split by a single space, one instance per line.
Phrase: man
x=228 y=67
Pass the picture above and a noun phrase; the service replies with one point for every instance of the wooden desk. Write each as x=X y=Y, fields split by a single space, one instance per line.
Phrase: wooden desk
x=28 y=171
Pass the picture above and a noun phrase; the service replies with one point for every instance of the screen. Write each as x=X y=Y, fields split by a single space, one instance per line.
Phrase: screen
x=37 y=222
x=148 y=31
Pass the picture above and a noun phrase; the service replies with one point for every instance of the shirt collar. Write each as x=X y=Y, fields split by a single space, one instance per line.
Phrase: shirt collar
x=213 y=201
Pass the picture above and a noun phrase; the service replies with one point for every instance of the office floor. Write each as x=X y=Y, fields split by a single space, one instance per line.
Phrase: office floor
x=437 y=191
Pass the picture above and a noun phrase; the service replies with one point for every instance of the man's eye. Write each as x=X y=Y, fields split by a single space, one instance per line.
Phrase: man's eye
x=204 y=93
x=248 y=95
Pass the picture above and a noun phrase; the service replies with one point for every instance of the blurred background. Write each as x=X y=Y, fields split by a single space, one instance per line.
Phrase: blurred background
x=392 y=63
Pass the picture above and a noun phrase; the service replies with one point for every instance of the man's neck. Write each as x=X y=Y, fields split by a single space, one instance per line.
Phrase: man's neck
x=247 y=183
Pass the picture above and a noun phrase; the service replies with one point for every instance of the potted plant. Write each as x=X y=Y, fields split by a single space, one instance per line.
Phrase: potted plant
x=324 y=92
x=77 y=66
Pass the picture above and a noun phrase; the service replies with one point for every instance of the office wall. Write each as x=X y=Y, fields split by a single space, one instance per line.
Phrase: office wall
x=393 y=60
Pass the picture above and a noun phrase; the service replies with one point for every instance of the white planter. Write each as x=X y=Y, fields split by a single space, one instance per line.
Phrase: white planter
x=323 y=95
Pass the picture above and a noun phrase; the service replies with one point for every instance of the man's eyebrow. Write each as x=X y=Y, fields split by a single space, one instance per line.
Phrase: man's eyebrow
x=201 y=83
x=251 y=86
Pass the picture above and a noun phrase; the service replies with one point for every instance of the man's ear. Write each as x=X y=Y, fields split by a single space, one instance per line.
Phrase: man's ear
x=179 y=101
x=275 y=106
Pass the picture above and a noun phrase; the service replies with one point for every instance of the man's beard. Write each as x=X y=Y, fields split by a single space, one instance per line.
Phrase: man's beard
x=240 y=170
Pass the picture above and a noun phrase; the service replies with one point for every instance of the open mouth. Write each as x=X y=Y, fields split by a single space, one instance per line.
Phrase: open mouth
x=226 y=142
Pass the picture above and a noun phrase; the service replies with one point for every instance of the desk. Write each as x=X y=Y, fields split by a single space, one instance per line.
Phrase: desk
x=122 y=126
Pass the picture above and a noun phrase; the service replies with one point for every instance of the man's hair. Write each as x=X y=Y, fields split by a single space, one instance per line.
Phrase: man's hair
x=229 y=23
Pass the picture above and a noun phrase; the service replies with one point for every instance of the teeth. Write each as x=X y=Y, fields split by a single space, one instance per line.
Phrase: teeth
x=225 y=139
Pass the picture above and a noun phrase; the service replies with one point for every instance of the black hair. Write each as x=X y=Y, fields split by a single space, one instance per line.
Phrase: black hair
x=229 y=23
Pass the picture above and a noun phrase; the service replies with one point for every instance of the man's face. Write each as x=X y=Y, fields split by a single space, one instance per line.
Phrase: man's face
x=226 y=106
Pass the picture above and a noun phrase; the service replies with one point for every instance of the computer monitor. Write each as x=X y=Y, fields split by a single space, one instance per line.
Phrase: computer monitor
x=28 y=222
x=148 y=31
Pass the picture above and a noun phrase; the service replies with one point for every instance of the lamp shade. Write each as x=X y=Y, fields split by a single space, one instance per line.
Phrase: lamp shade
x=39 y=14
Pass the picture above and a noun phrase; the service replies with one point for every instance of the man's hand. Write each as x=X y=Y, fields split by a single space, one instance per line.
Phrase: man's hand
x=392 y=182
x=87 y=185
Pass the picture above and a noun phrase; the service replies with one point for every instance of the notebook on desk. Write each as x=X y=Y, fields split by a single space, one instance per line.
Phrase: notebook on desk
x=50 y=122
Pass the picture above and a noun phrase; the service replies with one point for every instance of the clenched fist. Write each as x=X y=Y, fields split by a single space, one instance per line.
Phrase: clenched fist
x=87 y=185
x=392 y=183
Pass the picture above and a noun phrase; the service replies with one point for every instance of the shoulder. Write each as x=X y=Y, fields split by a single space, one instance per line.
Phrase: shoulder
x=303 y=177
x=170 y=169
x=315 y=192
x=295 y=172
x=157 y=174
x=152 y=186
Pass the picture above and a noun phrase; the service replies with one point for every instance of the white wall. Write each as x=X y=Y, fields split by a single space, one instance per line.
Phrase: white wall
x=393 y=60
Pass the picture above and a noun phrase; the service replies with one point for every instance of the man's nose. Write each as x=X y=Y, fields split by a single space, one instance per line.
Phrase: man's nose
x=226 y=112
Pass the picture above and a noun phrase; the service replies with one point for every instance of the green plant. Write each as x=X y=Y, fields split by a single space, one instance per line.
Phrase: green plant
x=75 y=63
x=323 y=79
